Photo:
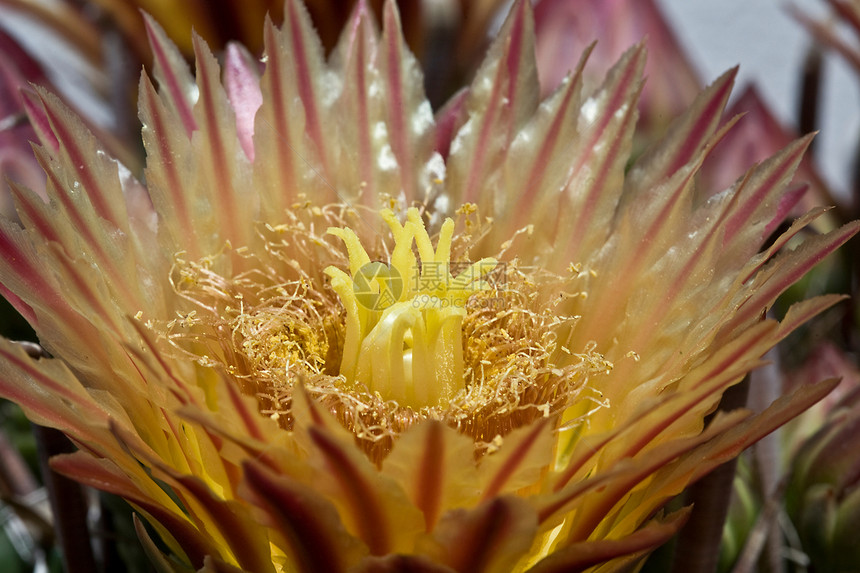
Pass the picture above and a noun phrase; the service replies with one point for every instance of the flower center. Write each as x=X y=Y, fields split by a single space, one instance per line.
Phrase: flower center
x=480 y=346
x=404 y=320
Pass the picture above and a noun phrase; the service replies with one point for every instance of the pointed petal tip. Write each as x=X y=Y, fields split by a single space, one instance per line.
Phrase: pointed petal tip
x=171 y=71
x=154 y=31
x=806 y=139
x=449 y=119
x=725 y=82
x=521 y=8
x=359 y=12
x=35 y=109
x=391 y=18
x=586 y=53
x=850 y=229
x=636 y=57
x=200 y=45
x=786 y=203
x=524 y=16
x=519 y=19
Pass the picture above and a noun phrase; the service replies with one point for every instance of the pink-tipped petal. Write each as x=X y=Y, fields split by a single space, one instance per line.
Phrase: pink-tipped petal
x=409 y=117
x=606 y=125
x=776 y=278
x=49 y=393
x=165 y=144
x=687 y=136
x=39 y=121
x=755 y=428
x=307 y=64
x=501 y=98
x=790 y=199
x=280 y=129
x=93 y=170
x=546 y=166
x=761 y=193
x=449 y=120
x=242 y=82
x=172 y=74
x=360 y=106
x=565 y=28
x=221 y=167
x=757 y=136
x=24 y=276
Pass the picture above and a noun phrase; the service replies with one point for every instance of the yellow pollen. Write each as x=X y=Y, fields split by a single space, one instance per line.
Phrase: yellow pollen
x=404 y=320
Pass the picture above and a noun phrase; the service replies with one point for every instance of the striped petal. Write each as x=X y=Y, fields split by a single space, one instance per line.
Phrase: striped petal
x=313 y=533
x=486 y=539
x=502 y=98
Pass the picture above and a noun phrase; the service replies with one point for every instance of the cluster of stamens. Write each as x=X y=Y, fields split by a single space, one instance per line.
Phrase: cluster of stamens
x=478 y=347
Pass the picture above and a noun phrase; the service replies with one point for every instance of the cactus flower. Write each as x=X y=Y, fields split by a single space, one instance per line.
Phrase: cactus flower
x=332 y=330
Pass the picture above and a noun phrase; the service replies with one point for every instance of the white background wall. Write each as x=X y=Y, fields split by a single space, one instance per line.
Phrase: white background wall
x=770 y=46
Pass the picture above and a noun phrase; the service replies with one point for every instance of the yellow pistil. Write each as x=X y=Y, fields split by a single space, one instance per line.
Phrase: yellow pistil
x=404 y=320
